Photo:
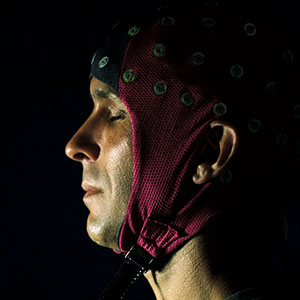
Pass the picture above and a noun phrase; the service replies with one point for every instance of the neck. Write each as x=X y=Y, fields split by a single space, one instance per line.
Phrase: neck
x=212 y=266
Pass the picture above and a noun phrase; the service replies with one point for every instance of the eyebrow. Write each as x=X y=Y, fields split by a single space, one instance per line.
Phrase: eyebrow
x=103 y=92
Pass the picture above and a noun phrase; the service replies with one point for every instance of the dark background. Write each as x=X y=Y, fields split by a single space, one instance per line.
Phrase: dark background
x=46 y=51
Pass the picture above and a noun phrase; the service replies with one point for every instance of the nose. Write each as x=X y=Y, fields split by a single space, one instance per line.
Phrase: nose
x=83 y=146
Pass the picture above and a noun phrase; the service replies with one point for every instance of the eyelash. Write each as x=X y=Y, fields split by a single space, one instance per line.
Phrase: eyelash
x=116 y=118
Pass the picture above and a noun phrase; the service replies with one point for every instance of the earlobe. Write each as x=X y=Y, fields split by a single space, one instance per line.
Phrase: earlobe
x=203 y=174
x=226 y=146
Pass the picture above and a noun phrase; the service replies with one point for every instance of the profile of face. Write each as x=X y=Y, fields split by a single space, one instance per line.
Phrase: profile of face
x=103 y=145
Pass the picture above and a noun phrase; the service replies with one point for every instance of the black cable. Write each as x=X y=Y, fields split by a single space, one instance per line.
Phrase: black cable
x=137 y=262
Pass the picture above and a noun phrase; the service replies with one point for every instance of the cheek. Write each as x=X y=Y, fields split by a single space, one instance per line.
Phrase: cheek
x=120 y=166
x=119 y=154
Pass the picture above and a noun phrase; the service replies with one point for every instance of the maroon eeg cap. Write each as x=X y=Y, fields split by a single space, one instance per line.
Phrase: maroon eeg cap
x=162 y=70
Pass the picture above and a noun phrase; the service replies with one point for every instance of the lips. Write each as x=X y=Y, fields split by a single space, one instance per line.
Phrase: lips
x=90 y=190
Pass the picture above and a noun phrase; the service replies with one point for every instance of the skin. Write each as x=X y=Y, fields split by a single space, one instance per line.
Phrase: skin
x=104 y=148
x=103 y=145
x=214 y=265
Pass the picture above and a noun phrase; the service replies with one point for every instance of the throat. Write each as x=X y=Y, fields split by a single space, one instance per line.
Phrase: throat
x=186 y=275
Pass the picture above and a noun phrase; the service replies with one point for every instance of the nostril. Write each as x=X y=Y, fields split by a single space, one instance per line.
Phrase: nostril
x=80 y=149
x=80 y=156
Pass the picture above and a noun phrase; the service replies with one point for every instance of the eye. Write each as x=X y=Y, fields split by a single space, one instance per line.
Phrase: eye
x=117 y=117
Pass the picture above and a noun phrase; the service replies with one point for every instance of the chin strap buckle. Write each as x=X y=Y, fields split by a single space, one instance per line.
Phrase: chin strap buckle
x=137 y=262
x=140 y=257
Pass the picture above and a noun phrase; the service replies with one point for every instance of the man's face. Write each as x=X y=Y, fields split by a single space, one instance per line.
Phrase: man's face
x=103 y=144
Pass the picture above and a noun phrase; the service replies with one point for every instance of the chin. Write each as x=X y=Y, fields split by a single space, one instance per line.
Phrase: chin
x=101 y=234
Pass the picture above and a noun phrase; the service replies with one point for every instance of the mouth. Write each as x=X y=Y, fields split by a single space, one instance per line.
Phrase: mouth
x=90 y=190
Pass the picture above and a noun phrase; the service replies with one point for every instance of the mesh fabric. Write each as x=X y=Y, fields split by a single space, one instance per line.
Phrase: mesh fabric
x=166 y=208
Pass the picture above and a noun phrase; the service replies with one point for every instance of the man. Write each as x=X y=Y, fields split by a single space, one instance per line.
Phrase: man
x=184 y=148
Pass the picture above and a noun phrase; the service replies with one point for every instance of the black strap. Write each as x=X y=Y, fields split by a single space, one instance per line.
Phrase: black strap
x=137 y=262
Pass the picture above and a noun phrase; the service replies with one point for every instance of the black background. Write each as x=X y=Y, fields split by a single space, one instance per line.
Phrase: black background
x=46 y=51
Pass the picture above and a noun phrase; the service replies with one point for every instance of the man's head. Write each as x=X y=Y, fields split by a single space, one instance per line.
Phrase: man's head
x=103 y=145
x=181 y=82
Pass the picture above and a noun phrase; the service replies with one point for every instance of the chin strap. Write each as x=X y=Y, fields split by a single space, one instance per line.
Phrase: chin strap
x=137 y=262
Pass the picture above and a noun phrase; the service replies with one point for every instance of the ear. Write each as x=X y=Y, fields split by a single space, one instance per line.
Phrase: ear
x=220 y=144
